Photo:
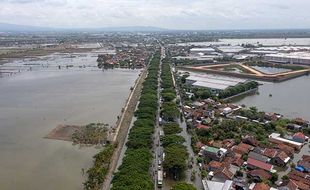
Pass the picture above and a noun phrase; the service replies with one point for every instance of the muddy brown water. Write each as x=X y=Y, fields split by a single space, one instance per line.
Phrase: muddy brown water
x=32 y=103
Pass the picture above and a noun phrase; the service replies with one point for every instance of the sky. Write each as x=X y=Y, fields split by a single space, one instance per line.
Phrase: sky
x=170 y=14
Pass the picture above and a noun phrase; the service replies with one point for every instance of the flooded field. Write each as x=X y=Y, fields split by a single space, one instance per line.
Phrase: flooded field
x=265 y=42
x=290 y=98
x=34 y=101
x=270 y=70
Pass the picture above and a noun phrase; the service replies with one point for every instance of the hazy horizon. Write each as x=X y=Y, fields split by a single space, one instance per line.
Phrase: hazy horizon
x=173 y=14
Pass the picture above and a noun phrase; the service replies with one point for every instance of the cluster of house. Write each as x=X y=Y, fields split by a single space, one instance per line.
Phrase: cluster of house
x=232 y=165
x=228 y=163
x=126 y=57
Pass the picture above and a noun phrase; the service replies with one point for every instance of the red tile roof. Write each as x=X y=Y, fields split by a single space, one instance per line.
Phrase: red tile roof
x=271 y=153
x=261 y=186
x=300 y=135
x=301 y=185
x=201 y=126
x=260 y=173
x=242 y=148
x=259 y=164
x=290 y=185
x=282 y=155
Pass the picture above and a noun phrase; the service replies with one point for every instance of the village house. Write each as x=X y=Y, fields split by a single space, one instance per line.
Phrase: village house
x=256 y=164
x=215 y=185
x=277 y=139
x=259 y=175
x=242 y=148
x=300 y=137
x=259 y=157
x=288 y=185
x=259 y=186
x=250 y=140
x=302 y=180
x=213 y=153
x=281 y=159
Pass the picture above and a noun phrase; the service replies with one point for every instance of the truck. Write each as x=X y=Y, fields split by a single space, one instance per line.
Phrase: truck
x=159 y=179
x=161 y=135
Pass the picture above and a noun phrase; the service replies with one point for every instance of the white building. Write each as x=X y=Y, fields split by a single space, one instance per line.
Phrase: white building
x=292 y=58
x=214 y=185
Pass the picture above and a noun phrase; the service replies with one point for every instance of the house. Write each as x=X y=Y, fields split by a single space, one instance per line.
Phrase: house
x=215 y=185
x=242 y=148
x=215 y=166
x=259 y=186
x=228 y=143
x=281 y=159
x=277 y=139
x=213 y=153
x=287 y=149
x=259 y=175
x=299 y=137
x=259 y=157
x=293 y=126
x=256 y=164
x=250 y=140
x=201 y=126
x=270 y=153
x=223 y=175
x=301 y=179
x=227 y=110
x=288 y=185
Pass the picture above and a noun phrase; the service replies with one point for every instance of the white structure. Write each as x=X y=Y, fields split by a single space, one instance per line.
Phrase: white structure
x=214 y=185
x=292 y=58
x=214 y=82
x=202 y=50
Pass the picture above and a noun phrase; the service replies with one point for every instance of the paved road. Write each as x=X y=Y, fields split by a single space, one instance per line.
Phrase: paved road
x=157 y=147
x=197 y=182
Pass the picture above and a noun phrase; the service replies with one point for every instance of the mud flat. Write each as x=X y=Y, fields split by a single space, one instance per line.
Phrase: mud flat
x=63 y=132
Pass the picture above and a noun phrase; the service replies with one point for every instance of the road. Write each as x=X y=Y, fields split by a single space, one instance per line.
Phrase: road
x=198 y=181
x=157 y=146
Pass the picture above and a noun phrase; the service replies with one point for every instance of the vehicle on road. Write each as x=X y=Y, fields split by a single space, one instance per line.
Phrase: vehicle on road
x=160 y=179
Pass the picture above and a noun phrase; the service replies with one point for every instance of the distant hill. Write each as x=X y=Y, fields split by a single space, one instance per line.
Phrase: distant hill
x=5 y=27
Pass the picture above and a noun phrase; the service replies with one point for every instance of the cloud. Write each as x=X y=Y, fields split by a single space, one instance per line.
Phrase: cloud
x=178 y=14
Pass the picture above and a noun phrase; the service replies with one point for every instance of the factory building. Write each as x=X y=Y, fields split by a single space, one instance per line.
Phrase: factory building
x=302 y=58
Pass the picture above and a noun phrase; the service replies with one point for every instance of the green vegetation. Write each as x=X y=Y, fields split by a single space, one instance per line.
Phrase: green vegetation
x=171 y=128
x=183 y=186
x=176 y=153
x=94 y=133
x=96 y=174
x=133 y=173
x=231 y=91
x=172 y=139
x=252 y=114
x=234 y=129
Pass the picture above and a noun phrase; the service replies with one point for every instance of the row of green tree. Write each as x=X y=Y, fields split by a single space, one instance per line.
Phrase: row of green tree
x=133 y=174
x=97 y=173
x=231 y=91
x=175 y=151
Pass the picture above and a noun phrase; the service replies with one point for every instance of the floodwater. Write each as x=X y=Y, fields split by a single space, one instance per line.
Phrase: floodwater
x=271 y=70
x=290 y=98
x=263 y=41
x=36 y=100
